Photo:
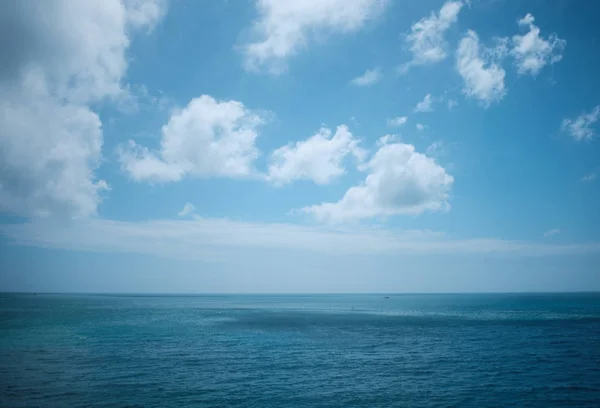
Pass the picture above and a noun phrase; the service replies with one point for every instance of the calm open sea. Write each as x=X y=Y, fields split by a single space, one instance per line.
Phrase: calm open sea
x=522 y=350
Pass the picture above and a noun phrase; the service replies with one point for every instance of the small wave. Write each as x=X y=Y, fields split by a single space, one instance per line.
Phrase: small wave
x=501 y=315
x=218 y=319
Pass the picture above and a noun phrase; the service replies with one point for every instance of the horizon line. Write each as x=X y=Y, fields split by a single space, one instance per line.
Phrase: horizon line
x=295 y=293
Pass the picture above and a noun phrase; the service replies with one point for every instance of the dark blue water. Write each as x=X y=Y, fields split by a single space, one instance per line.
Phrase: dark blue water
x=300 y=351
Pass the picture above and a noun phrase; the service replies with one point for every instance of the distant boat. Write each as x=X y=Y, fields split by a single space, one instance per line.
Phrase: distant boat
x=386 y=297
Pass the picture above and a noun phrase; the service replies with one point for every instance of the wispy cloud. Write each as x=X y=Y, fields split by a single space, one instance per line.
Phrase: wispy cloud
x=581 y=128
x=425 y=105
x=551 y=233
x=435 y=148
x=188 y=209
x=426 y=39
x=591 y=176
x=397 y=121
x=222 y=239
x=370 y=77
x=483 y=78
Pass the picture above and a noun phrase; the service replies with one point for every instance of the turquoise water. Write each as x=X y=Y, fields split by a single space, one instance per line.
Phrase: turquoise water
x=300 y=351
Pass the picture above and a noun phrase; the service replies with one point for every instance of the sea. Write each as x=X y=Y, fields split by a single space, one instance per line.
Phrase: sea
x=375 y=350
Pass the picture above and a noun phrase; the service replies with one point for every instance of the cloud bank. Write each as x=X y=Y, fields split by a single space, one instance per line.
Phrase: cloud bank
x=223 y=240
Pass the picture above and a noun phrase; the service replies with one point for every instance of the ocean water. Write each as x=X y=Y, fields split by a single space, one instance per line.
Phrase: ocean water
x=522 y=350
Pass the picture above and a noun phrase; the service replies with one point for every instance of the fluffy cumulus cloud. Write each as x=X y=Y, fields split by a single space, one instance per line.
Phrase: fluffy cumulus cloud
x=399 y=181
x=206 y=138
x=49 y=153
x=480 y=67
x=532 y=52
x=426 y=39
x=370 y=77
x=319 y=158
x=582 y=127
x=62 y=57
x=483 y=78
x=283 y=28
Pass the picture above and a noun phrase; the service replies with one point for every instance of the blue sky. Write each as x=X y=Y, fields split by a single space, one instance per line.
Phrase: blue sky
x=308 y=146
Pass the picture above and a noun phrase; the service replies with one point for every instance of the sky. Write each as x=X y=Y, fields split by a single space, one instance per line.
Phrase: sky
x=172 y=146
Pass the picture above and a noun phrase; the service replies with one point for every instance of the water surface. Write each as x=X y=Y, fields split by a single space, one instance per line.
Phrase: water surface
x=526 y=350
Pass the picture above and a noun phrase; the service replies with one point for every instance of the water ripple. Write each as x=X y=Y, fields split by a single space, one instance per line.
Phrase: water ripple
x=106 y=351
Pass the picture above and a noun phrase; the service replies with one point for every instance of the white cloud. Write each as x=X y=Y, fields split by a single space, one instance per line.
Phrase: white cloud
x=227 y=240
x=399 y=181
x=452 y=104
x=49 y=152
x=319 y=158
x=551 y=233
x=141 y=164
x=581 y=128
x=386 y=139
x=370 y=77
x=145 y=13
x=206 y=138
x=187 y=209
x=420 y=127
x=592 y=176
x=498 y=50
x=532 y=52
x=483 y=78
x=425 y=104
x=63 y=57
x=426 y=39
x=285 y=27
x=397 y=121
